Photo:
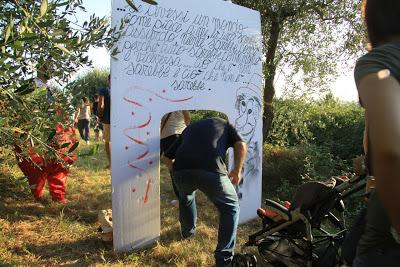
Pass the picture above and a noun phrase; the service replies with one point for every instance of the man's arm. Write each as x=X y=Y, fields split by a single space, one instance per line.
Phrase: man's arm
x=380 y=95
x=239 y=151
x=186 y=116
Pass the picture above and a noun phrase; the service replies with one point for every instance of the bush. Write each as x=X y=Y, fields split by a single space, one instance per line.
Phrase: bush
x=285 y=168
x=202 y=114
x=329 y=123
x=87 y=85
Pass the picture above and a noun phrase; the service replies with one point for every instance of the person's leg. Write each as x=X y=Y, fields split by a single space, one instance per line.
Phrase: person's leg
x=221 y=192
x=187 y=203
x=86 y=130
x=80 y=128
x=187 y=213
x=106 y=137
x=96 y=134
x=108 y=152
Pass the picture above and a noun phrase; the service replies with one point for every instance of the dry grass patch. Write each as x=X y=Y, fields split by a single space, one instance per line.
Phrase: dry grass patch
x=51 y=234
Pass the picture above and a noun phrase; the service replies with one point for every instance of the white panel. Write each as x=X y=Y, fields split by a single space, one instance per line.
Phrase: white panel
x=180 y=54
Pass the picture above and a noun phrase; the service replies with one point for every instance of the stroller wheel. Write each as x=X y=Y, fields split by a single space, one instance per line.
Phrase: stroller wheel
x=244 y=260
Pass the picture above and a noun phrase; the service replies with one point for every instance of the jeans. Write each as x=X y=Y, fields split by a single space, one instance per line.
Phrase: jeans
x=389 y=257
x=219 y=189
x=83 y=127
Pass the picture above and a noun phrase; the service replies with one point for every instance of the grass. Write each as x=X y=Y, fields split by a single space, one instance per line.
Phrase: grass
x=52 y=234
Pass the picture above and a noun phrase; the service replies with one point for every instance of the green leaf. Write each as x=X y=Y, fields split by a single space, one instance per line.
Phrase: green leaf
x=73 y=147
x=19 y=44
x=51 y=135
x=151 y=2
x=8 y=33
x=95 y=150
x=130 y=3
x=43 y=8
x=62 y=48
x=27 y=91
x=22 y=90
x=65 y=145
x=115 y=51
x=62 y=3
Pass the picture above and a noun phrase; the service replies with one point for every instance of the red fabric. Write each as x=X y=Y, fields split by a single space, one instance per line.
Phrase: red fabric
x=36 y=177
x=272 y=214
x=38 y=169
x=57 y=181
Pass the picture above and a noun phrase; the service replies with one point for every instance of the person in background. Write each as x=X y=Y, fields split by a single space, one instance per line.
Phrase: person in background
x=172 y=125
x=41 y=81
x=197 y=161
x=377 y=76
x=39 y=168
x=104 y=108
x=82 y=119
x=98 y=127
x=95 y=105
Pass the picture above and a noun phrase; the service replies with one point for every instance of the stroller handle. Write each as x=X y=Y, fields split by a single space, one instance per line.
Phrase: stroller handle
x=346 y=185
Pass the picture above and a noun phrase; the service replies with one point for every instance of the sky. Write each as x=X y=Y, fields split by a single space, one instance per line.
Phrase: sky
x=344 y=87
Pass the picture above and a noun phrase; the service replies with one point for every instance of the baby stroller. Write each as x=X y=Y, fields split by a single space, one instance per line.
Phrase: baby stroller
x=308 y=231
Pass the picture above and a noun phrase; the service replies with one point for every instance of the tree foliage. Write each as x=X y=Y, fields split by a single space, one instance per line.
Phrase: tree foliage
x=328 y=123
x=41 y=38
x=87 y=85
x=307 y=40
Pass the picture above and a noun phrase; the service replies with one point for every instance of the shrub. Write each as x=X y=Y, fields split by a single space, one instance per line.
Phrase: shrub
x=202 y=114
x=285 y=168
x=87 y=85
x=334 y=125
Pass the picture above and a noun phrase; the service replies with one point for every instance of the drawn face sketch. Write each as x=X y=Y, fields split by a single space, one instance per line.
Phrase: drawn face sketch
x=248 y=105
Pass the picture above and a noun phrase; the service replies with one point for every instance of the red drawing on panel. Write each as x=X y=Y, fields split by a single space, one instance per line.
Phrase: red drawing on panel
x=134 y=164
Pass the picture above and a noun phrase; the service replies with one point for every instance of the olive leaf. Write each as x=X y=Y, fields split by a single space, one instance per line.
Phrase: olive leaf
x=130 y=3
x=43 y=8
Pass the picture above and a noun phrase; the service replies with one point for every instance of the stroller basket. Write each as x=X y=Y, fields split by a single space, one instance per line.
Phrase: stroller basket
x=293 y=236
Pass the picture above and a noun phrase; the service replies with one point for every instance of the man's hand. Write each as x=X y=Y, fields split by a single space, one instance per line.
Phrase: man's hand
x=235 y=177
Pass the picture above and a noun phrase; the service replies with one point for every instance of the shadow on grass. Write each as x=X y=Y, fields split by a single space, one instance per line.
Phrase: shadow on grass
x=17 y=204
x=91 y=250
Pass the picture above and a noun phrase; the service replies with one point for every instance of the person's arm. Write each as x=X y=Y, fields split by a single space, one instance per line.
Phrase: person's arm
x=186 y=116
x=239 y=151
x=100 y=106
x=380 y=96
x=78 y=110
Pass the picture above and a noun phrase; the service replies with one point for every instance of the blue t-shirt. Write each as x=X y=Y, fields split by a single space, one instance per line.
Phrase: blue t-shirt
x=203 y=145
x=106 y=114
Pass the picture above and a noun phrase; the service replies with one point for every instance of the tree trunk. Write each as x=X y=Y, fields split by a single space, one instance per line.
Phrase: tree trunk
x=269 y=72
x=268 y=114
